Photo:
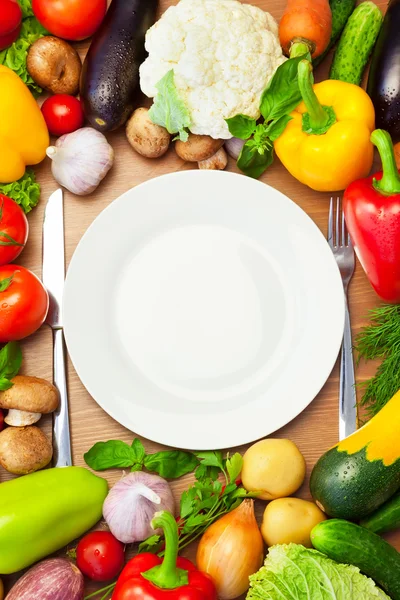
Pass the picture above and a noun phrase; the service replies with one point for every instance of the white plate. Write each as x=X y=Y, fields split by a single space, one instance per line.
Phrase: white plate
x=203 y=310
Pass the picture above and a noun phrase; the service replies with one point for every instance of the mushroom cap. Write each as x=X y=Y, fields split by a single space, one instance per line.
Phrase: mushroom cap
x=24 y=449
x=31 y=394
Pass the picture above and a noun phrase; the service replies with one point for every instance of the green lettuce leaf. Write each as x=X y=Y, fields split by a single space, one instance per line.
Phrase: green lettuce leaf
x=25 y=191
x=168 y=109
x=292 y=572
x=14 y=57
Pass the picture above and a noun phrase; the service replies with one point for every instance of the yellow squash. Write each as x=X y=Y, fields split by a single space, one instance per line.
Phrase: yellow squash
x=23 y=132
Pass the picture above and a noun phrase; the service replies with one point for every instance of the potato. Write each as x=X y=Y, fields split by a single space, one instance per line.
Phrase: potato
x=197 y=148
x=289 y=520
x=147 y=138
x=273 y=467
x=24 y=449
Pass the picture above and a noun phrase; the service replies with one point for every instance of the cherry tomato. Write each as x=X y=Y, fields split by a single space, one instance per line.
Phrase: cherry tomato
x=70 y=19
x=100 y=556
x=13 y=230
x=24 y=303
x=62 y=113
x=10 y=22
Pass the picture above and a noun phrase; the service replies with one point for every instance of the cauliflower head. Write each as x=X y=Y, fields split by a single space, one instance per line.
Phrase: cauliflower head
x=223 y=54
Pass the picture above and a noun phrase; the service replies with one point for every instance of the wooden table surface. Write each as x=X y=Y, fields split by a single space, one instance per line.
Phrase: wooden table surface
x=314 y=431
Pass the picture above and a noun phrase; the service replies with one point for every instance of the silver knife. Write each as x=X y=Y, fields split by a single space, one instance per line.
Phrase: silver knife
x=53 y=275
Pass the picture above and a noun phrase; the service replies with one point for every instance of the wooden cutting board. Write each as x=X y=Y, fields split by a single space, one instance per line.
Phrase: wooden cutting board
x=314 y=431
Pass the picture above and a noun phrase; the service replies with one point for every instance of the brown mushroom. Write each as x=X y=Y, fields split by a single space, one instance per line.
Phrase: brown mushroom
x=216 y=162
x=28 y=399
x=24 y=450
x=197 y=147
x=147 y=138
x=54 y=65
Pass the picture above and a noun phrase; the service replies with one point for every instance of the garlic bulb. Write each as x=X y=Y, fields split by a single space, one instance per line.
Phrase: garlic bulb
x=80 y=160
x=132 y=503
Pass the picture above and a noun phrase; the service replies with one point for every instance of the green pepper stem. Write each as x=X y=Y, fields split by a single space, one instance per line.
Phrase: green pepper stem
x=318 y=115
x=167 y=575
x=390 y=182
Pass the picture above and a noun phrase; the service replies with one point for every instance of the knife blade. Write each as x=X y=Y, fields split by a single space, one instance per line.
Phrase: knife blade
x=53 y=275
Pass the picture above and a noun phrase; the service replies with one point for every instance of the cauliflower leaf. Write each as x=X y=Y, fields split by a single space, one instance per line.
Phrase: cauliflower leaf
x=168 y=109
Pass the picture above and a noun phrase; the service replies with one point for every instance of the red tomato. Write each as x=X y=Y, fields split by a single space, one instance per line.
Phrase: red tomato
x=13 y=230
x=70 y=19
x=100 y=556
x=62 y=113
x=23 y=303
x=10 y=22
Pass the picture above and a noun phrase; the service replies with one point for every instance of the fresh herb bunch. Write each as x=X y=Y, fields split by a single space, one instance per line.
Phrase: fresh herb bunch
x=206 y=500
x=117 y=454
x=278 y=100
x=381 y=339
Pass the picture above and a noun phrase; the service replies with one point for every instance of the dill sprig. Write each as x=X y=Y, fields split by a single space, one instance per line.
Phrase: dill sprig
x=381 y=339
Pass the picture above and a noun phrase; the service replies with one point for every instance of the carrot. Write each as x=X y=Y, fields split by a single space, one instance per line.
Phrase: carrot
x=306 y=21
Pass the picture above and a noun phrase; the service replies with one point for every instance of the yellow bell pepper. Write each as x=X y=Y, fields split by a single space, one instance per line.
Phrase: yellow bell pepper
x=23 y=132
x=327 y=143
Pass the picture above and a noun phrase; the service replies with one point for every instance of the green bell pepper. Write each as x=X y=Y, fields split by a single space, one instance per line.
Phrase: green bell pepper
x=42 y=512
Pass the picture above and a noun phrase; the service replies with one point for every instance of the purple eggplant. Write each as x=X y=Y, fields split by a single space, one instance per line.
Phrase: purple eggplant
x=384 y=77
x=109 y=86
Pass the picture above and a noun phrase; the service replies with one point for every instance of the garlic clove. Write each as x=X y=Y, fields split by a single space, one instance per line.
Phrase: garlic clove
x=80 y=160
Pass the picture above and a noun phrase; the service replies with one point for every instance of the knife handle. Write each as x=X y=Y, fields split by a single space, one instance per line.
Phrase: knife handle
x=62 y=455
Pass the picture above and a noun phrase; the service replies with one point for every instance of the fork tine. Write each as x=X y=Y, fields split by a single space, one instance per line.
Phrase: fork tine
x=344 y=230
x=337 y=233
x=330 y=224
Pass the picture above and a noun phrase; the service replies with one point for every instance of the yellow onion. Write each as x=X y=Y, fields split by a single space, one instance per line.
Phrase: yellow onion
x=231 y=550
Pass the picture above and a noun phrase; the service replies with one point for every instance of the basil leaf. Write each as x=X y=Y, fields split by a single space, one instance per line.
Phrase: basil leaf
x=283 y=93
x=107 y=455
x=5 y=384
x=234 y=466
x=241 y=126
x=171 y=464
x=277 y=127
x=138 y=450
x=253 y=160
x=10 y=362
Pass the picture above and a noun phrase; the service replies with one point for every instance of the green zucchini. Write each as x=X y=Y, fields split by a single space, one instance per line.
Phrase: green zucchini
x=341 y=11
x=349 y=543
x=356 y=44
x=386 y=518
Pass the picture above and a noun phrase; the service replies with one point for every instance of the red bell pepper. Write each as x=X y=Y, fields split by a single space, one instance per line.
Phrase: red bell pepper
x=148 y=577
x=372 y=212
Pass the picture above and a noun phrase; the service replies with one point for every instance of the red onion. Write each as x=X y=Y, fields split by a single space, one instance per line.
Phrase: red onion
x=234 y=146
x=52 y=579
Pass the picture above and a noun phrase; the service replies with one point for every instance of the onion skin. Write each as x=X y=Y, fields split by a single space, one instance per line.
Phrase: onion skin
x=52 y=579
x=231 y=550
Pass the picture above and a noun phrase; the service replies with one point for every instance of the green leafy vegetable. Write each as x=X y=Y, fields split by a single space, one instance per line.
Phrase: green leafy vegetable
x=168 y=109
x=241 y=126
x=381 y=339
x=292 y=572
x=278 y=100
x=205 y=501
x=25 y=191
x=10 y=364
x=14 y=57
x=117 y=454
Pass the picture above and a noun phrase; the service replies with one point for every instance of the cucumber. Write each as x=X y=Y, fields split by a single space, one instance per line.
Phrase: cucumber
x=386 y=518
x=356 y=44
x=349 y=543
x=341 y=11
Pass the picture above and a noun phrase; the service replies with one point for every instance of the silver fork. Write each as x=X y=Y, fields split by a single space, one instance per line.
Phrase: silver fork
x=342 y=248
